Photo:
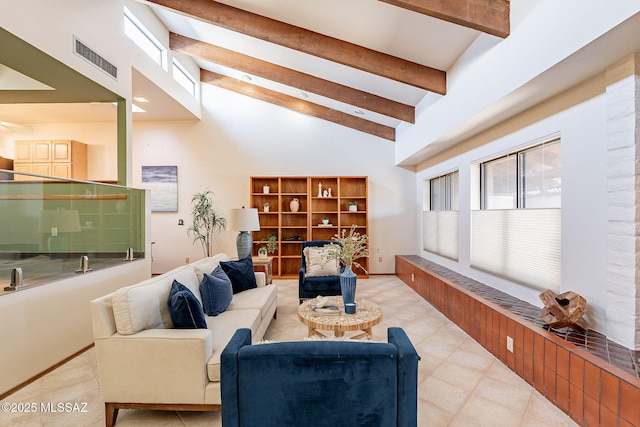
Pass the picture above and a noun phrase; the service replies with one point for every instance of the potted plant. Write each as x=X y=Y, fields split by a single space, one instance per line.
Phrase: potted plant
x=353 y=206
x=348 y=248
x=262 y=252
x=266 y=207
x=205 y=221
x=272 y=243
x=325 y=220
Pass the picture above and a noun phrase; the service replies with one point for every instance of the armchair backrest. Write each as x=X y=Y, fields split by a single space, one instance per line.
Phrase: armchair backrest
x=319 y=383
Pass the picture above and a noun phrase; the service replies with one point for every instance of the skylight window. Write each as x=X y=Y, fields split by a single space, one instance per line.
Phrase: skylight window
x=185 y=79
x=142 y=37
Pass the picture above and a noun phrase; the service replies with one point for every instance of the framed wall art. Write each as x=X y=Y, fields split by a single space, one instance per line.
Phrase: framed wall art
x=162 y=181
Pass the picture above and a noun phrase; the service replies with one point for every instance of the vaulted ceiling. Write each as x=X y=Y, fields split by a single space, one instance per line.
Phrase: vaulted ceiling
x=363 y=64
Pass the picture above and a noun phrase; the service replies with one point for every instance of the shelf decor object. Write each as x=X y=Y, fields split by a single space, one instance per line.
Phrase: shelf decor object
x=244 y=220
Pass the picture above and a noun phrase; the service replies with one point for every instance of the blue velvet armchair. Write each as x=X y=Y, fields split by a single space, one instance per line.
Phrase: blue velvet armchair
x=311 y=287
x=319 y=383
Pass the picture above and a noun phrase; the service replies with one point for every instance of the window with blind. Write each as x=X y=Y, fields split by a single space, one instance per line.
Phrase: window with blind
x=516 y=234
x=440 y=215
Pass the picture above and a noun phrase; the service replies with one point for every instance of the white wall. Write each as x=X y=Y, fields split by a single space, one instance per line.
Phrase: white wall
x=579 y=117
x=240 y=137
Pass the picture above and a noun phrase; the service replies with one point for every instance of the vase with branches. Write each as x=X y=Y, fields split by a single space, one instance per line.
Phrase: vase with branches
x=347 y=249
x=206 y=221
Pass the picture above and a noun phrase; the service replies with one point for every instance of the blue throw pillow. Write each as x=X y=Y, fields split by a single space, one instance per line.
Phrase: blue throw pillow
x=216 y=292
x=184 y=308
x=240 y=273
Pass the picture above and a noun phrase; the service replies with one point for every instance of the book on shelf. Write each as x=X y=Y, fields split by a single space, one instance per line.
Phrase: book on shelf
x=327 y=310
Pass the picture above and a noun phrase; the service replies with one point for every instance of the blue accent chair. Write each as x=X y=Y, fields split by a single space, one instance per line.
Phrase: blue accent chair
x=311 y=287
x=319 y=383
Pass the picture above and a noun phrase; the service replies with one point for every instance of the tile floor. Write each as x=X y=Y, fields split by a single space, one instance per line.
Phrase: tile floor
x=460 y=383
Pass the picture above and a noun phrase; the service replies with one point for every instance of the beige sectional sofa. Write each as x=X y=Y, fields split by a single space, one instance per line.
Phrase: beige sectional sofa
x=143 y=362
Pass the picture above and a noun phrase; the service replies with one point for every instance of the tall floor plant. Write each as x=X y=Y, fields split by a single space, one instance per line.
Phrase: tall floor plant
x=205 y=221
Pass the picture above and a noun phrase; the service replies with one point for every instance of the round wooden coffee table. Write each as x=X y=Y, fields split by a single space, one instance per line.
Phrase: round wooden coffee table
x=367 y=315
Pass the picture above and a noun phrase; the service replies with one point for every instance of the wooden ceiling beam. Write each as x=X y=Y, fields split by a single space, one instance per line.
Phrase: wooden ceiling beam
x=298 y=105
x=296 y=79
x=310 y=42
x=488 y=16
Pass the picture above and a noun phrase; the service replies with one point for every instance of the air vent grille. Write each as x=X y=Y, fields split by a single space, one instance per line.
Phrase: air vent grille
x=87 y=53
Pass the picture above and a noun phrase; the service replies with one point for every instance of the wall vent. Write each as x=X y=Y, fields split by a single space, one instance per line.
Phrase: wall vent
x=87 y=53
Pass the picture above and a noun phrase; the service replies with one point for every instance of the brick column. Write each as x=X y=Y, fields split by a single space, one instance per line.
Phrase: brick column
x=623 y=201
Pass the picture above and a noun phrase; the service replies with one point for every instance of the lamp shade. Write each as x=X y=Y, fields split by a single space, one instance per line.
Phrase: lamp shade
x=244 y=219
x=64 y=221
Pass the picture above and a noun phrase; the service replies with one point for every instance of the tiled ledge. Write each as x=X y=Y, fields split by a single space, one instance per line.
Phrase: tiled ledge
x=592 y=379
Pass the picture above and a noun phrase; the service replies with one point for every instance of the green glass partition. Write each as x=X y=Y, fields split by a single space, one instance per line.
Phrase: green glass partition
x=49 y=224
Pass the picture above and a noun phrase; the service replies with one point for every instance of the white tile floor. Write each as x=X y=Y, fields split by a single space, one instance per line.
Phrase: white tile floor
x=460 y=383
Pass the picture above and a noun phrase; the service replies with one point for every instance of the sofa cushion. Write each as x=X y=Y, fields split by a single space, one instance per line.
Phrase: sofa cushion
x=222 y=328
x=258 y=298
x=240 y=273
x=184 y=308
x=216 y=292
x=318 y=264
x=142 y=306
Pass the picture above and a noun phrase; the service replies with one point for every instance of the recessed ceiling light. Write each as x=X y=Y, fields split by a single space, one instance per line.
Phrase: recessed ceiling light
x=134 y=108
x=140 y=99
x=303 y=95
x=247 y=77
x=358 y=111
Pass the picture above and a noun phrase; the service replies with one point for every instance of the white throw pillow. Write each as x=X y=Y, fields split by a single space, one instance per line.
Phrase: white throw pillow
x=318 y=264
x=142 y=306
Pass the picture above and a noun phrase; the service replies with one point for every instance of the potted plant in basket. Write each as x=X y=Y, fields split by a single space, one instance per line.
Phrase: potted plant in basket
x=272 y=246
x=262 y=252
x=348 y=248
x=205 y=221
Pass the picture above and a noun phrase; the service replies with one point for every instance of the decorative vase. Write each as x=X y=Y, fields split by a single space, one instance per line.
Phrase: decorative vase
x=294 y=205
x=265 y=189
x=348 y=285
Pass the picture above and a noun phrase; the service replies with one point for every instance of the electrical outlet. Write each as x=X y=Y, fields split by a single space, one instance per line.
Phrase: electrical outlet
x=510 y=344
x=186 y=260
x=379 y=259
x=54 y=231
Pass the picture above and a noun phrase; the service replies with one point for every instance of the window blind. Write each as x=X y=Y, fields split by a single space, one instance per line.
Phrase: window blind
x=440 y=233
x=522 y=245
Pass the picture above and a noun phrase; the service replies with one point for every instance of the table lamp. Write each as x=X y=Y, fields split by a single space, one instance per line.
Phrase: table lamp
x=58 y=223
x=244 y=220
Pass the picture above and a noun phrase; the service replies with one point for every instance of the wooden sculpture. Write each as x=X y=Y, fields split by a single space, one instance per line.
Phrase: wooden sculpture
x=565 y=309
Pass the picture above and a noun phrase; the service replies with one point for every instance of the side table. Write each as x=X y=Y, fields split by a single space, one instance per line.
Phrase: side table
x=266 y=265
